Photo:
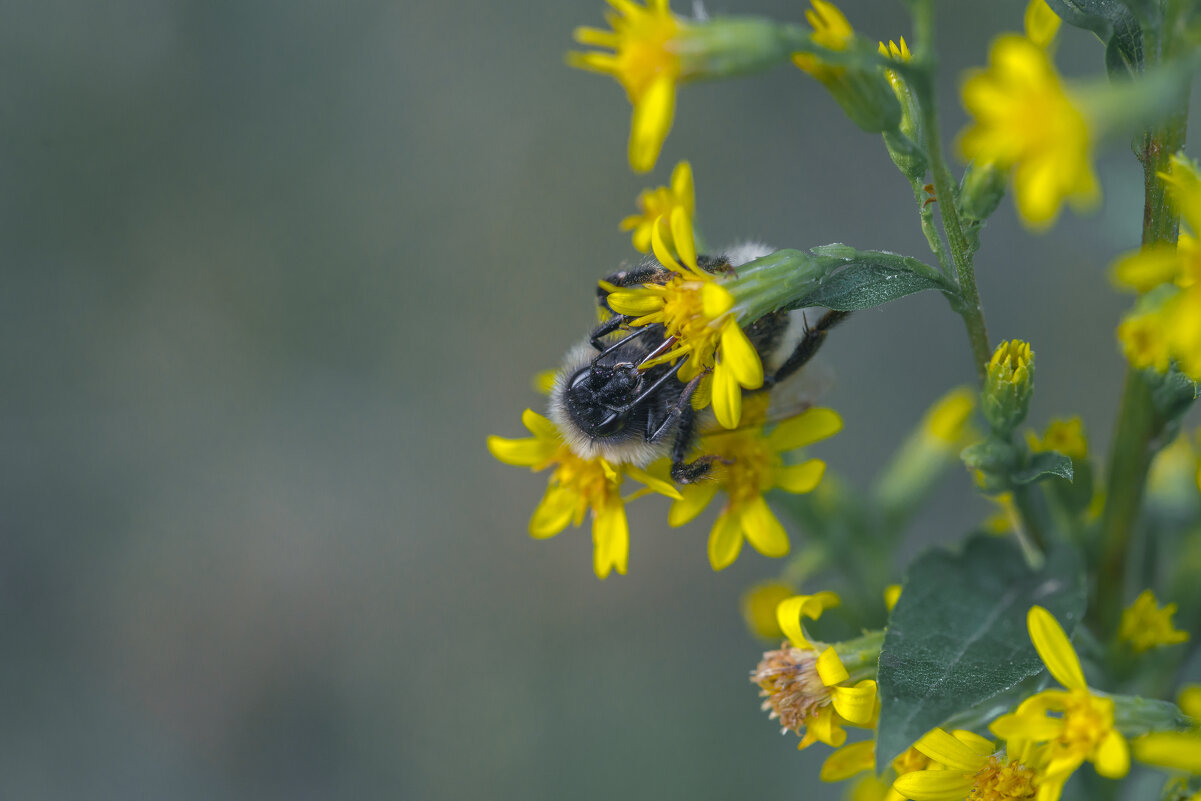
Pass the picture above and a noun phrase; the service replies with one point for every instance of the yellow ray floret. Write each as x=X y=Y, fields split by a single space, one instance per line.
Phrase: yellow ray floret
x=661 y=202
x=1081 y=727
x=1026 y=120
x=1146 y=625
x=748 y=464
x=645 y=60
x=965 y=765
x=576 y=487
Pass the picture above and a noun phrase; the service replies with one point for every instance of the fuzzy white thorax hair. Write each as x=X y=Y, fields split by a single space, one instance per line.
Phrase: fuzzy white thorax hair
x=744 y=252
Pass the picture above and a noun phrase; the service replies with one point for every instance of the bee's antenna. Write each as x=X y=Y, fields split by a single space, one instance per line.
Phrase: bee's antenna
x=637 y=333
x=663 y=348
x=641 y=396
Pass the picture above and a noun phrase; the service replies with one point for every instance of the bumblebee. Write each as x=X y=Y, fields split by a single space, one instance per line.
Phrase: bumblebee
x=608 y=404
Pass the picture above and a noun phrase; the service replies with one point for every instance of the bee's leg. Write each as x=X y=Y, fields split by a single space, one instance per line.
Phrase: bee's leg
x=683 y=416
x=606 y=328
x=807 y=347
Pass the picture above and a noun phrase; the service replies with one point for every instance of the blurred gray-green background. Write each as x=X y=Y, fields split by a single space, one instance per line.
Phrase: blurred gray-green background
x=272 y=272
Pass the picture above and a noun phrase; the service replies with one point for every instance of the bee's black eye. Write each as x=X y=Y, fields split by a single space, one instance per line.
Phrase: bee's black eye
x=614 y=423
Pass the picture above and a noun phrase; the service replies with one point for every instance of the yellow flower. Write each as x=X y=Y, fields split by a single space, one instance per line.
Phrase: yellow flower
x=1065 y=436
x=1145 y=625
x=1084 y=730
x=965 y=765
x=1151 y=339
x=576 y=487
x=1025 y=120
x=1041 y=23
x=832 y=31
x=892 y=594
x=1144 y=342
x=807 y=686
x=646 y=62
x=695 y=311
x=1189 y=701
x=661 y=202
x=1175 y=750
x=759 y=608
x=857 y=757
x=949 y=419
x=748 y=465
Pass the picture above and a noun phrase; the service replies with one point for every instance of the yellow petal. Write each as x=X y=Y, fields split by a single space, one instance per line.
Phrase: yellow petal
x=830 y=668
x=657 y=484
x=1189 y=701
x=933 y=785
x=635 y=302
x=803 y=477
x=1051 y=787
x=521 y=452
x=790 y=612
x=849 y=760
x=1041 y=23
x=825 y=728
x=553 y=513
x=538 y=425
x=762 y=528
x=1146 y=269
x=682 y=187
x=681 y=234
x=610 y=540
x=661 y=250
x=948 y=750
x=856 y=704
x=653 y=113
x=725 y=540
x=1170 y=749
x=892 y=594
x=740 y=357
x=693 y=500
x=716 y=300
x=1113 y=756
x=1026 y=727
x=727 y=397
x=1054 y=648
x=811 y=425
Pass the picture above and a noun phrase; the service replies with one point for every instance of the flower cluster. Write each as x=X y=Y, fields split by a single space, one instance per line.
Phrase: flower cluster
x=1165 y=328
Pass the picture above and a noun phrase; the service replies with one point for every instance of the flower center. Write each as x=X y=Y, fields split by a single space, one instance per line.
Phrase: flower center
x=643 y=53
x=586 y=478
x=746 y=464
x=788 y=680
x=1086 y=722
x=684 y=317
x=1003 y=782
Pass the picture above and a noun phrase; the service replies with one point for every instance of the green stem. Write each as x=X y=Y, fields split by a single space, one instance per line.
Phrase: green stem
x=1138 y=424
x=933 y=238
x=1029 y=528
x=921 y=81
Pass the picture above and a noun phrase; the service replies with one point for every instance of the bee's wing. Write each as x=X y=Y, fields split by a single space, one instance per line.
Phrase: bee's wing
x=787 y=399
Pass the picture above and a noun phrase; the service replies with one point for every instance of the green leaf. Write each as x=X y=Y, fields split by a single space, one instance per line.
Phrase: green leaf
x=1043 y=465
x=868 y=278
x=957 y=636
x=1114 y=24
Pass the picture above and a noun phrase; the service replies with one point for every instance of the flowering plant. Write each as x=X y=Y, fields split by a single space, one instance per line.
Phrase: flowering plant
x=1034 y=660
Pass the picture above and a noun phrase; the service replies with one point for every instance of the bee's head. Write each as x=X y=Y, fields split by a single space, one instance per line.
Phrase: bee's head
x=598 y=397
